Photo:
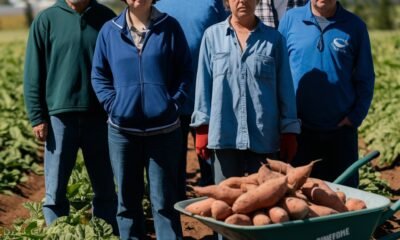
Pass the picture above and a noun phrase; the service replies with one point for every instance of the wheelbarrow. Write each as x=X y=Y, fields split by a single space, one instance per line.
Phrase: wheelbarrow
x=357 y=225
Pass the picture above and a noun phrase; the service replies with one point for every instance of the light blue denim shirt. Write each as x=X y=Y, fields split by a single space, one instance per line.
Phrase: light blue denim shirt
x=246 y=97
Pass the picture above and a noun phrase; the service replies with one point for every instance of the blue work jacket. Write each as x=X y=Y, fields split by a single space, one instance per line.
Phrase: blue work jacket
x=332 y=69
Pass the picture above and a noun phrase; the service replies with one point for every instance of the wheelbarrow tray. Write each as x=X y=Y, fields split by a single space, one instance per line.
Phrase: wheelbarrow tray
x=358 y=225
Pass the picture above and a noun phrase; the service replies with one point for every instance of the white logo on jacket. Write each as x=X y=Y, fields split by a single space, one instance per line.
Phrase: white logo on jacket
x=339 y=44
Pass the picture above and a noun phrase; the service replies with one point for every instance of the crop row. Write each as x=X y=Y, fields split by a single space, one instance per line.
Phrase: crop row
x=381 y=128
x=18 y=151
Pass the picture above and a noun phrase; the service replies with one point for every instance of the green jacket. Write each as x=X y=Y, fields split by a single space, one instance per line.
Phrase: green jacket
x=59 y=60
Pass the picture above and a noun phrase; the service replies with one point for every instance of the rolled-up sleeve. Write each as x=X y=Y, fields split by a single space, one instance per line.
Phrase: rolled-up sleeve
x=202 y=103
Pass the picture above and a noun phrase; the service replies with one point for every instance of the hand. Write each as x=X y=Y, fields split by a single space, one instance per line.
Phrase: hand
x=345 y=122
x=40 y=131
x=288 y=146
x=202 y=141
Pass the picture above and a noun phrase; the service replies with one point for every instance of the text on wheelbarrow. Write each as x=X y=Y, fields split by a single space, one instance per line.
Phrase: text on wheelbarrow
x=336 y=235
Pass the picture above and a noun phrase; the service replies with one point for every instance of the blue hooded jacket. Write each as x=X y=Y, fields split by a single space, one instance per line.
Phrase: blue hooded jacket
x=194 y=16
x=332 y=69
x=142 y=90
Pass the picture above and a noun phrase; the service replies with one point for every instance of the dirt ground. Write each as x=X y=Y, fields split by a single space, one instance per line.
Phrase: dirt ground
x=33 y=190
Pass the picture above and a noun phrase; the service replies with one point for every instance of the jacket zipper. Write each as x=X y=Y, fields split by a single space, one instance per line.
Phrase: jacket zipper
x=140 y=52
x=321 y=43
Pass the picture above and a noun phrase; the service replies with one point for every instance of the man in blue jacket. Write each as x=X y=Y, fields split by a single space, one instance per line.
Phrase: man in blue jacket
x=331 y=63
x=195 y=17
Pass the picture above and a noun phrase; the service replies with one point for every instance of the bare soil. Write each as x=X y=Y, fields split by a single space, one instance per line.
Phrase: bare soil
x=11 y=207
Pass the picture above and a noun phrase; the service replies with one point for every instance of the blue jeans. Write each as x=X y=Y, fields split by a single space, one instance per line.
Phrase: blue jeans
x=160 y=156
x=338 y=150
x=67 y=133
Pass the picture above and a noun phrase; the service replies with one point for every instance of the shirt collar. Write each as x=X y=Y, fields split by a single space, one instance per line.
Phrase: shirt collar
x=154 y=15
x=229 y=28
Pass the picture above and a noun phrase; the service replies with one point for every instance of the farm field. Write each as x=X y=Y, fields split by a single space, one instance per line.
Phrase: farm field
x=21 y=180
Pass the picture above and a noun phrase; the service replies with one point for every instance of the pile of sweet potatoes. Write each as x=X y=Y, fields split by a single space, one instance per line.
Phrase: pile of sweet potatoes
x=277 y=193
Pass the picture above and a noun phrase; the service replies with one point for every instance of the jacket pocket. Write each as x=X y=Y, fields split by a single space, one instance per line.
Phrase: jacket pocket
x=126 y=109
x=158 y=105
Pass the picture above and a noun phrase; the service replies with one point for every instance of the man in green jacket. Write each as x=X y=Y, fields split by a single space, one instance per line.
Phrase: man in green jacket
x=61 y=104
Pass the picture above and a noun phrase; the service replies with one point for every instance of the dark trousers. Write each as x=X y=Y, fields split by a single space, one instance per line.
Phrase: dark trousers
x=236 y=163
x=205 y=168
x=338 y=150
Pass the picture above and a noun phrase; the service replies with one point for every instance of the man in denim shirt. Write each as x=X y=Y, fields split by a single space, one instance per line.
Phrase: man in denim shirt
x=244 y=103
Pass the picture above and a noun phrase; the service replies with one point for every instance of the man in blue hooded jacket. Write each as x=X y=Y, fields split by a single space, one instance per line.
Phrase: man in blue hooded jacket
x=331 y=63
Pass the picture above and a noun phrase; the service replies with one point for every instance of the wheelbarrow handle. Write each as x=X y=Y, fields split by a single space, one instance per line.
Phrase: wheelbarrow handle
x=390 y=212
x=355 y=166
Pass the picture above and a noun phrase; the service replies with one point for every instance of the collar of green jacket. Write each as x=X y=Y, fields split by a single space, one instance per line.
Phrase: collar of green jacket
x=63 y=4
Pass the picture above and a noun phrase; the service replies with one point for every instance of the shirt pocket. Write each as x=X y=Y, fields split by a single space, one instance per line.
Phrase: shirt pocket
x=220 y=64
x=264 y=68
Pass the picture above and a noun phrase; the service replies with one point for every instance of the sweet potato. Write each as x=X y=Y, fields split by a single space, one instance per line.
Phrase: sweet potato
x=260 y=218
x=299 y=194
x=318 y=210
x=264 y=174
x=239 y=219
x=327 y=198
x=202 y=207
x=320 y=183
x=264 y=196
x=235 y=182
x=353 y=204
x=295 y=207
x=342 y=196
x=318 y=192
x=278 y=215
x=298 y=176
x=245 y=187
x=224 y=193
x=308 y=187
x=278 y=166
x=252 y=178
x=232 y=182
x=220 y=210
